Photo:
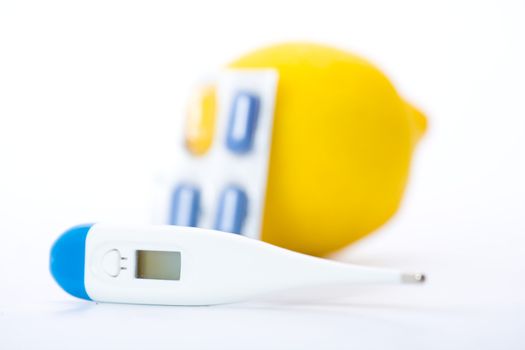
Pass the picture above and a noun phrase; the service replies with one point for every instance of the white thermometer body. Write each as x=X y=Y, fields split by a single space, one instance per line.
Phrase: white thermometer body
x=174 y=265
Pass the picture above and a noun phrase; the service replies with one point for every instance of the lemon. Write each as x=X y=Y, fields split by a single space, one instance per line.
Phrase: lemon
x=341 y=147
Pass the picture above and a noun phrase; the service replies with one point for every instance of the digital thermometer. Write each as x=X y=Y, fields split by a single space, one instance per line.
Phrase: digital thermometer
x=175 y=265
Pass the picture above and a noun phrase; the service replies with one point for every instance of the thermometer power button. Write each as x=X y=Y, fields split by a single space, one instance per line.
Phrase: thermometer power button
x=111 y=263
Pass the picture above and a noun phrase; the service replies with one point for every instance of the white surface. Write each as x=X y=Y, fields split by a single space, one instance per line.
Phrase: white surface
x=74 y=75
x=216 y=267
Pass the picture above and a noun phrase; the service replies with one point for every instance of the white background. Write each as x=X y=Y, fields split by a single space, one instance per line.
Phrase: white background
x=91 y=95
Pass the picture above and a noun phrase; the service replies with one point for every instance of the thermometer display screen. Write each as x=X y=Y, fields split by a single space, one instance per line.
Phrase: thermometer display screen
x=158 y=265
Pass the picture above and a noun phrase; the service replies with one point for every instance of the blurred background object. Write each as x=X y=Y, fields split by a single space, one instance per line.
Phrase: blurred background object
x=89 y=95
x=341 y=148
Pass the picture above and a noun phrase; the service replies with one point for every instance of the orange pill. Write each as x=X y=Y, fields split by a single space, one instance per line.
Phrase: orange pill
x=200 y=122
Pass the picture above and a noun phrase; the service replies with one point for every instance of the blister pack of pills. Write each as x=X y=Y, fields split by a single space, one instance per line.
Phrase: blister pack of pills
x=220 y=174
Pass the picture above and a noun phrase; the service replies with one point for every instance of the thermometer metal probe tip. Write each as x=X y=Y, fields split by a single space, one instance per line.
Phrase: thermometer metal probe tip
x=413 y=278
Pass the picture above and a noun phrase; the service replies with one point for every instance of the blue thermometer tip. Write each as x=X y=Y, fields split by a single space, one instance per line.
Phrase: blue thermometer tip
x=67 y=261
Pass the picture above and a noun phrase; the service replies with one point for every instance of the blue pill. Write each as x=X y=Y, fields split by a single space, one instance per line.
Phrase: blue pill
x=185 y=206
x=242 y=122
x=233 y=206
